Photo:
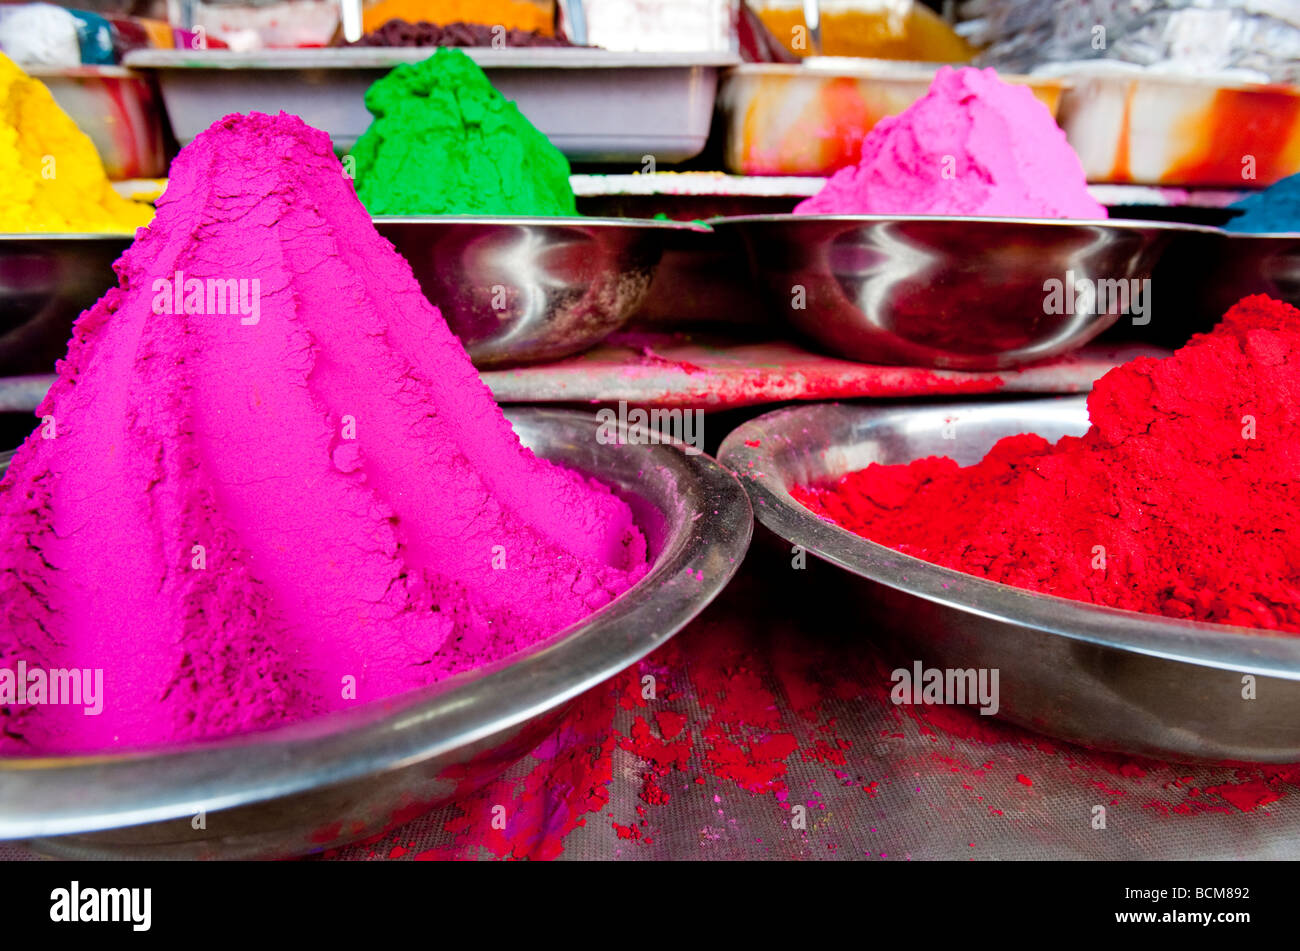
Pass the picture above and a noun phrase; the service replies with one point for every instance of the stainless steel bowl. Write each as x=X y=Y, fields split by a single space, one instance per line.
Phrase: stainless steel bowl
x=1109 y=679
x=521 y=290
x=953 y=293
x=348 y=775
x=1244 y=264
x=46 y=281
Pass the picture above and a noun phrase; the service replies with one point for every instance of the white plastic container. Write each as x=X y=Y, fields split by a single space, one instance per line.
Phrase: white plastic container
x=1134 y=126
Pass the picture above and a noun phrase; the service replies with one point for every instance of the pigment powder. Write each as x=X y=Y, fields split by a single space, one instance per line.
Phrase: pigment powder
x=1276 y=209
x=444 y=142
x=51 y=178
x=1181 y=499
x=253 y=513
x=972 y=145
x=508 y=14
x=401 y=33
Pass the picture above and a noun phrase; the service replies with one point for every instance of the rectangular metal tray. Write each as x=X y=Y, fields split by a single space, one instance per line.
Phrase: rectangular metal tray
x=594 y=105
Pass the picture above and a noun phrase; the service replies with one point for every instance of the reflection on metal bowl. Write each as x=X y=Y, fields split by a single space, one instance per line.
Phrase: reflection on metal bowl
x=46 y=281
x=522 y=290
x=952 y=293
x=1256 y=264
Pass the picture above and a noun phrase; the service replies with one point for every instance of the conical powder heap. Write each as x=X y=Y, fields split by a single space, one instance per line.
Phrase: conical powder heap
x=444 y=142
x=301 y=500
x=972 y=145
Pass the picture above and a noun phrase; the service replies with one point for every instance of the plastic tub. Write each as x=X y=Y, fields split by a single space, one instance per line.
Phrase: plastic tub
x=810 y=119
x=119 y=110
x=1156 y=129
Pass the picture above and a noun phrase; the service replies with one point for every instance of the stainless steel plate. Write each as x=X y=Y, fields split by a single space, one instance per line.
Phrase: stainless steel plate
x=1110 y=679
x=281 y=792
x=520 y=290
x=954 y=293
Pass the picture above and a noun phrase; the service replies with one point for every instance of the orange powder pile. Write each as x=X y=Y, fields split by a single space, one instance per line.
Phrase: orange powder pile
x=511 y=14
x=51 y=178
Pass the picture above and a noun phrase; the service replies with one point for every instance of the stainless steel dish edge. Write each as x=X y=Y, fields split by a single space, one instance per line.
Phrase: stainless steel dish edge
x=271 y=794
x=1102 y=677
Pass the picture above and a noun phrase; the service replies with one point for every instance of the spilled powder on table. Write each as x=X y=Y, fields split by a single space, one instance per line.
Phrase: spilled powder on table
x=745 y=695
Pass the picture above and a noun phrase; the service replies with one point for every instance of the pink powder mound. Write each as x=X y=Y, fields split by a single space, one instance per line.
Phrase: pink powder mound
x=972 y=145
x=429 y=543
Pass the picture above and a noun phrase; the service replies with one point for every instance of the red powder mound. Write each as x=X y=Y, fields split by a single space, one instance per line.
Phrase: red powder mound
x=1179 y=500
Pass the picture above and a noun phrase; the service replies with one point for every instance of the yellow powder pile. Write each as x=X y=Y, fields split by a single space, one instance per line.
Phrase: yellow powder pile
x=51 y=178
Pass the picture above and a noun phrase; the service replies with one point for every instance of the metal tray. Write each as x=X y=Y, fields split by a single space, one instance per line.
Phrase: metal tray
x=1101 y=677
x=342 y=777
x=594 y=105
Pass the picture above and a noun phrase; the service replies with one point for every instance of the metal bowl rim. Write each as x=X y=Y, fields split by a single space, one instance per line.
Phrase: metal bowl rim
x=536 y=221
x=1117 y=224
x=503 y=697
x=1266 y=235
x=1223 y=646
x=387 y=57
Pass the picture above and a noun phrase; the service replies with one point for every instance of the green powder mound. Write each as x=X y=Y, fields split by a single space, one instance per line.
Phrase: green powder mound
x=444 y=142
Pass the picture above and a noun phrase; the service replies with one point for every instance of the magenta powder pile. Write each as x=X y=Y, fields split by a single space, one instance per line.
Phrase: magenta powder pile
x=249 y=519
x=973 y=145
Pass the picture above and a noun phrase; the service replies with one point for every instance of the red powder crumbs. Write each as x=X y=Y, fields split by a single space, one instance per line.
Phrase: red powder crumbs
x=1249 y=793
x=1024 y=780
x=626 y=832
x=568 y=779
x=659 y=757
x=1178 y=501
x=670 y=723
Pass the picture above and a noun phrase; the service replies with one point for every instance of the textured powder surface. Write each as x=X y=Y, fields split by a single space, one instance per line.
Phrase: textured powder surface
x=429 y=543
x=1272 y=210
x=972 y=145
x=444 y=142
x=1182 y=498
x=51 y=178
